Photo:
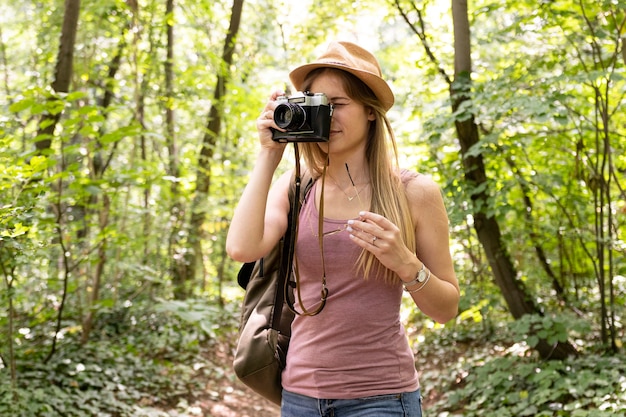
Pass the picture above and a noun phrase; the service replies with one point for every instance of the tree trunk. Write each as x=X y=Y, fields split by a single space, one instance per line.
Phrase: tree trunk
x=176 y=247
x=99 y=163
x=487 y=228
x=8 y=271
x=209 y=142
x=142 y=85
x=539 y=250
x=94 y=296
x=62 y=74
x=45 y=132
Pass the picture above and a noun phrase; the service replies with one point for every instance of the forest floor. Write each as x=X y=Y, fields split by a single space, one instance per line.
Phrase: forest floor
x=225 y=396
x=233 y=398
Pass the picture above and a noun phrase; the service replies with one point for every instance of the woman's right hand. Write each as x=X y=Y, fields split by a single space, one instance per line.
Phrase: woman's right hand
x=265 y=123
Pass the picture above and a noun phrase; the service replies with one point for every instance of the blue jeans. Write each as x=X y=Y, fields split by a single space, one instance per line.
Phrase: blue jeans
x=407 y=404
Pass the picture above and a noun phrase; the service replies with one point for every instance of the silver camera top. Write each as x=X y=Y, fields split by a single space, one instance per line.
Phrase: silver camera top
x=306 y=99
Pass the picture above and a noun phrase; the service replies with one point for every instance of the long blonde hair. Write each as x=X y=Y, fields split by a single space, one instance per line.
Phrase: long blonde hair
x=388 y=193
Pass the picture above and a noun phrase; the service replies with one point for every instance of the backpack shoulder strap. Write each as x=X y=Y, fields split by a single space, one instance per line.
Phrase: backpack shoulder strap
x=245 y=272
x=296 y=196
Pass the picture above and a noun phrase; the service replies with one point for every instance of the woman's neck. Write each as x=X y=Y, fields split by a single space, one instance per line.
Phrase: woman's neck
x=349 y=172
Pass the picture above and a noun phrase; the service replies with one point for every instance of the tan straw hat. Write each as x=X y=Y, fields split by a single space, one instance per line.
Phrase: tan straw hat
x=351 y=58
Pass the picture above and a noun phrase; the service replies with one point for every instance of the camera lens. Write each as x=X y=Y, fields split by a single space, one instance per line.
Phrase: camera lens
x=289 y=116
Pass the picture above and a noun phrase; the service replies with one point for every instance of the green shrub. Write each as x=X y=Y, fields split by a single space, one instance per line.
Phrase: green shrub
x=140 y=357
x=498 y=375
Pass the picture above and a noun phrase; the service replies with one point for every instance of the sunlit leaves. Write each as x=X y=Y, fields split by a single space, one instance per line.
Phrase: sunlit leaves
x=543 y=72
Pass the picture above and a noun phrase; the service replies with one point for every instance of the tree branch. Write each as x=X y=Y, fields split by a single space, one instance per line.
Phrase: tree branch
x=421 y=34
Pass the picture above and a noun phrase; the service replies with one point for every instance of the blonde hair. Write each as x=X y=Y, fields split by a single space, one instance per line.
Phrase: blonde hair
x=388 y=193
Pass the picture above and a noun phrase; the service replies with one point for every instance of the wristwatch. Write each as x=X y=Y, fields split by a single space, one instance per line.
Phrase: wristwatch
x=421 y=274
x=419 y=277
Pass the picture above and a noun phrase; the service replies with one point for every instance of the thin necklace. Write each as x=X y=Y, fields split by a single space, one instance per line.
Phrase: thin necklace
x=320 y=213
x=356 y=190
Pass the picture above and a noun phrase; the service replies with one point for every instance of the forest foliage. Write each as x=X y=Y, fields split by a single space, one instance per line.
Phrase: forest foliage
x=127 y=133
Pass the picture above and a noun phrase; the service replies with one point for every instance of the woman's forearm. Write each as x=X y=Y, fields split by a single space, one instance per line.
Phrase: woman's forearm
x=247 y=239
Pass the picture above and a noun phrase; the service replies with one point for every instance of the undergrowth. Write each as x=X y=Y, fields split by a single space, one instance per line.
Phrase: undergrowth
x=469 y=372
x=156 y=357
x=138 y=359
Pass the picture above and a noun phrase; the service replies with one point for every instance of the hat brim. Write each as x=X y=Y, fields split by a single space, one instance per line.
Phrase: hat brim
x=379 y=87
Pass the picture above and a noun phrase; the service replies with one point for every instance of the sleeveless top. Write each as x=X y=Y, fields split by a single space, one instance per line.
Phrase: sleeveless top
x=357 y=346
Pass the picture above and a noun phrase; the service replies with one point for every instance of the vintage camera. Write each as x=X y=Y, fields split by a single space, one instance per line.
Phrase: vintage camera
x=304 y=116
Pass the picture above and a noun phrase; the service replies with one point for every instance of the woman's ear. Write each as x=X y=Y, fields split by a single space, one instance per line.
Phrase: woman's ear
x=371 y=116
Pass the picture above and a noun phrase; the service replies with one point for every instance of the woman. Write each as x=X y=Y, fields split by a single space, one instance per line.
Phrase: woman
x=383 y=230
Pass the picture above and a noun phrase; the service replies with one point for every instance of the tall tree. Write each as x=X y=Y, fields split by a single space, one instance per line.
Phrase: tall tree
x=61 y=84
x=486 y=225
x=187 y=272
x=596 y=56
x=178 y=266
x=62 y=74
x=100 y=162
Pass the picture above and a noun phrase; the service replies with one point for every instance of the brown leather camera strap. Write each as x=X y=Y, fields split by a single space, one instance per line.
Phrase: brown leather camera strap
x=294 y=223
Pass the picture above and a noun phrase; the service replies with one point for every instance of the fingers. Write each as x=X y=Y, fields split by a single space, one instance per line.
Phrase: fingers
x=275 y=94
x=268 y=111
x=371 y=230
x=381 y=237
x=266 y=118
x=266 y=125
x=372 y=224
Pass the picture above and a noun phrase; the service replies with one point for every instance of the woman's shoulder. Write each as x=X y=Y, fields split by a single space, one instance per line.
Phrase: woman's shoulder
x=406 y=175
x=425 y=198
x=419 y=186
x=286 y=182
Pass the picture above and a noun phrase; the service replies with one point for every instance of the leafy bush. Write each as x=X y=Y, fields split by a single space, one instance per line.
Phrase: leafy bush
x=139 y=357
x=522 y=386
x=499 y=376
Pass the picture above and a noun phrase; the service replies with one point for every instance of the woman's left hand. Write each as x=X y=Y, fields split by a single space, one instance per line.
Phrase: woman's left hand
x=382 y=238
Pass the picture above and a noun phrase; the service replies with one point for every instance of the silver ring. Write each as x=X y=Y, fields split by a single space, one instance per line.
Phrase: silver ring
x=374 y=239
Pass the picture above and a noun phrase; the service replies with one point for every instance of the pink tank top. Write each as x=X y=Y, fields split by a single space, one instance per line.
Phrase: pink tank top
x=357 y=346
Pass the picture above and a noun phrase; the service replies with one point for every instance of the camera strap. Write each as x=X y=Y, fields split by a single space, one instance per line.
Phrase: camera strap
x=294 y=224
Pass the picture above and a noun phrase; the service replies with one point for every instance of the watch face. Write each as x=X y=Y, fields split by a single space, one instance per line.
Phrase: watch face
x=421 y=276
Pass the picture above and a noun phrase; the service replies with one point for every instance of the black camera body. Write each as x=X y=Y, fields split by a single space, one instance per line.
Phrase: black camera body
x=304 y=116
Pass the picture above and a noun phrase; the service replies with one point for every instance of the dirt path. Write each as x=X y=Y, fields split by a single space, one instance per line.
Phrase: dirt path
x=226 y=396
x=238 y=401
